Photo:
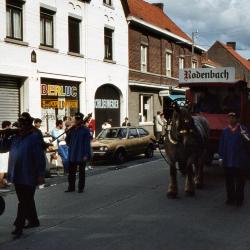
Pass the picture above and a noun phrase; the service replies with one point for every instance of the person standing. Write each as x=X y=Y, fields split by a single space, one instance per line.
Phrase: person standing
x=4 y=157
x=235 y=158
x=158 y=125
x=78 y=140
x=107 y=124
x=26 y=169
x=62 y=147
x=126 y=122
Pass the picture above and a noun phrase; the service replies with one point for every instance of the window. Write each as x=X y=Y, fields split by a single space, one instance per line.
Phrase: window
x=14 y=19
x=133 y=133
x=146 y=108
x=108 y=44
x=181 y=62
x=46 y=28
x=74 y=35
x=194 y=64
x=142 y=132
x=108 y=2
x=144 y=58
x=168 y=64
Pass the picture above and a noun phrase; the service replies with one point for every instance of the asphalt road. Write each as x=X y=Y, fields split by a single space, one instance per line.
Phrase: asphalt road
x=127 y=209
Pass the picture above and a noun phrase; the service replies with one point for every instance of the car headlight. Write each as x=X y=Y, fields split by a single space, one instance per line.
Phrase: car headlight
x=104 y=148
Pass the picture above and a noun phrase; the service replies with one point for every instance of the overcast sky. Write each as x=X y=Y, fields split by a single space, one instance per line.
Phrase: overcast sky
x=223 y=20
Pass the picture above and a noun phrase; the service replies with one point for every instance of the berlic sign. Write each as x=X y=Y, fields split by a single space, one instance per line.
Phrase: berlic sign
x=199 y=75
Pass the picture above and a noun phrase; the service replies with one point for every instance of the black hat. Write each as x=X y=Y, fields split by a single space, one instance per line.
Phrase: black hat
x=25 y=116
x=79 y=116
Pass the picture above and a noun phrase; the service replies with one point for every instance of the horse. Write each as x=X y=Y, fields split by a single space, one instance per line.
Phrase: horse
x=185 y=142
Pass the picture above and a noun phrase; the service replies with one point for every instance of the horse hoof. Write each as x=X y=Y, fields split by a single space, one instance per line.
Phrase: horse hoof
x=171 y=195
x=190 y=193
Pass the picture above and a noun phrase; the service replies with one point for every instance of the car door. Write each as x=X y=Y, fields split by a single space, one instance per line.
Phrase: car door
x=133 y=142
x=144 y=141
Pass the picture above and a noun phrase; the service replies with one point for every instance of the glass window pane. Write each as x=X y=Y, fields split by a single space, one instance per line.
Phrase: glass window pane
x=8 y=22
x=42 y=38
x=17 y=24
x=74 y=35
x=49 y=32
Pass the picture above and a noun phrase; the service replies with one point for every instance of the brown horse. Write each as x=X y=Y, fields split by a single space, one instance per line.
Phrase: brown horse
x=185 y=143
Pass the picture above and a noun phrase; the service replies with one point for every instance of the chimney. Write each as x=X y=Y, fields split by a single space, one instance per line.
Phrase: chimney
x=159 y=5
x=232 y=45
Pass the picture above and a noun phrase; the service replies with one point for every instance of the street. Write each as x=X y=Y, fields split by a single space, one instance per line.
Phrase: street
x=127 y=208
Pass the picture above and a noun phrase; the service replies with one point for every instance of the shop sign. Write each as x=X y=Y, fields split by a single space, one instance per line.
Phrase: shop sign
x=58 y=90
x=106 y=104
x=199 y=75
x=59 y=104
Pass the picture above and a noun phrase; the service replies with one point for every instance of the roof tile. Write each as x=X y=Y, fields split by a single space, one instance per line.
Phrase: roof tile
x=154 y=15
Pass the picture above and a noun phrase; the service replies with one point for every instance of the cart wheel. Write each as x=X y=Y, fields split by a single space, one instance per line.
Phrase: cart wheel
x=2 y=205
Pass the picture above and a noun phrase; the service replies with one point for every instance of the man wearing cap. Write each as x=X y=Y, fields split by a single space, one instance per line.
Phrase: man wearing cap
x=234 y=155
x=78 y=140
x=26 y=169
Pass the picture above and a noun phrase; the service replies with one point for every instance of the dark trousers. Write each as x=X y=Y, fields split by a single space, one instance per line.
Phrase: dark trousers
x=235 y=183
x=26 y=206
x=72 y=175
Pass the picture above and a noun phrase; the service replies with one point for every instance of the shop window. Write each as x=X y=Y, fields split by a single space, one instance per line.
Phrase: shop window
x=194 y=64
x=146 y=108
x=108 y=2
x=74 y=35
x=181 y=62
x=46 y=28
x=108 y=44
x=144 y=58
x=168 y=64
x=14 y=19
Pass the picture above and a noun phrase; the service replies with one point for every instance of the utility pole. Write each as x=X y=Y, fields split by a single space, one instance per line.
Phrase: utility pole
x=192 y=51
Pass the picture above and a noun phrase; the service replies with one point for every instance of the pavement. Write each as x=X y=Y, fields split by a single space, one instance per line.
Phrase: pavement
x=126 y=208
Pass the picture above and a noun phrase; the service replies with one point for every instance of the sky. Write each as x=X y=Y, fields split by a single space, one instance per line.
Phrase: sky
x=222 y=20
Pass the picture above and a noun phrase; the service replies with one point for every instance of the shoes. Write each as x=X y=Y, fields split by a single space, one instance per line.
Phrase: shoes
x=17 y=233
x=31 y=225
x=69 y=190
x=90 y=167
x=80 y=191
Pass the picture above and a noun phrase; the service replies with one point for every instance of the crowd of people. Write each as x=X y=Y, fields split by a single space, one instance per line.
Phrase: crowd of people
x=23 y=158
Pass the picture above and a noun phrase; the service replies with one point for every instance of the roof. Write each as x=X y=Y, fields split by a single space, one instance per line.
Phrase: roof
x=154 y=15
x=236 y=55
x=209 y=62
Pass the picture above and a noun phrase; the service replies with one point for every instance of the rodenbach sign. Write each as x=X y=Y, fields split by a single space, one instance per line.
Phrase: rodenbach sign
x=190 y=75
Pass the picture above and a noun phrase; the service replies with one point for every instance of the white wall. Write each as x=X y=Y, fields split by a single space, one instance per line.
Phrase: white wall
x=99 y=72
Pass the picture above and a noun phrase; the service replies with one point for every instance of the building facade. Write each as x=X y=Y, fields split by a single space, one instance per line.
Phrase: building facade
x=157 y=49
x=59 y=57
x=106 y=61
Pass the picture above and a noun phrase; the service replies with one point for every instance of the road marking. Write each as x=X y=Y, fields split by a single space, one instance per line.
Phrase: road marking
x=137 y=165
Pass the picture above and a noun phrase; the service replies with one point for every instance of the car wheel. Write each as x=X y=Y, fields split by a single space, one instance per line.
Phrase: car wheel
x=120 y=156
x=2 y=205
x=149 y=152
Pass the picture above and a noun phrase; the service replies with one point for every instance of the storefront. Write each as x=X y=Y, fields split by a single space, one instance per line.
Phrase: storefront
x=9 y=98
x=58 y=99
x=107 y=106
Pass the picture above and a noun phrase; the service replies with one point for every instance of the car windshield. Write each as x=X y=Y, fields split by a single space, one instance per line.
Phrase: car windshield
x=113 y=133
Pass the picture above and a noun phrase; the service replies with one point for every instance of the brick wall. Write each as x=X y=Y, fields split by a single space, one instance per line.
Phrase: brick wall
x=157 y=47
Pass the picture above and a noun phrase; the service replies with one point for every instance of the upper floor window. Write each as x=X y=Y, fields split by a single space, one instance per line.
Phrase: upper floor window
x=108 y=2
x=14 y=19
x=194 y=64
x=74 y=35
x=181 y=62
x=46 y=28
x=108 y=44
x=144 y=58
x=168 y=64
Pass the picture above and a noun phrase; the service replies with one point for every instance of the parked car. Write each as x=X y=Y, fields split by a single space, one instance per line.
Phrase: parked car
x=119 y=143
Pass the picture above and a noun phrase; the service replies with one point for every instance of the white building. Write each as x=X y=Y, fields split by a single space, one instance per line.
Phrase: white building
x=106 y=61
x=52 y=57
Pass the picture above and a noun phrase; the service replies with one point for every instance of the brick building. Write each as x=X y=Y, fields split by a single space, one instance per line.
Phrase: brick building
x=157 y=49
x=227 y=56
